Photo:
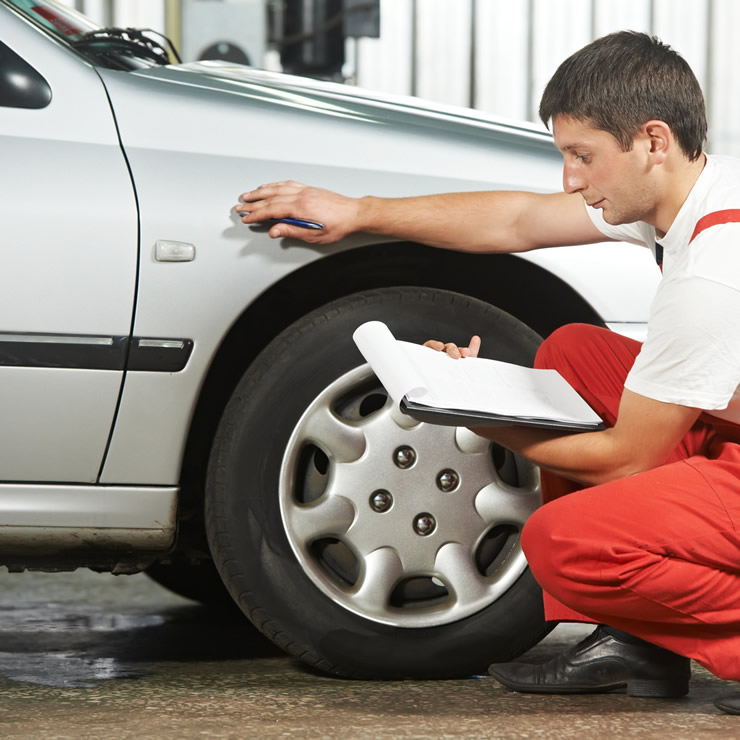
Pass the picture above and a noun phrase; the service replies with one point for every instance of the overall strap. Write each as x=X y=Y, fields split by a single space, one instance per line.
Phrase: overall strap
x=729 y=216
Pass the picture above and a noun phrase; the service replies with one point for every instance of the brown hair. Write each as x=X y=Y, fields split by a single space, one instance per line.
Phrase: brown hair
x=620 y=81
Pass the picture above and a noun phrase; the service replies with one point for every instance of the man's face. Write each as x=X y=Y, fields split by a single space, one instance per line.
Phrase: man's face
x=608 y=178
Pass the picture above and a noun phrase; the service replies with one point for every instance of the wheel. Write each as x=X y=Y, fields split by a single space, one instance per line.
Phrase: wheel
x=363 y=542
x=200 y=582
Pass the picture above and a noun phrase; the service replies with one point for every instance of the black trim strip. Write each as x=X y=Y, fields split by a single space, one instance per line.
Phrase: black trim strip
x=63 y=351
x=94 y=352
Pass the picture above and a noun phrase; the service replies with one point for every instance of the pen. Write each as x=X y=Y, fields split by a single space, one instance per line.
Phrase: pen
x=301 y=222
x=293 y=221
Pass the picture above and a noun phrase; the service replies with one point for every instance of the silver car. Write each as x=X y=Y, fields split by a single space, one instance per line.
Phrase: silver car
x=181 y=395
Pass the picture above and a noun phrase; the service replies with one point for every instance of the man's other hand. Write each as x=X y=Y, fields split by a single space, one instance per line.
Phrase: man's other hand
x=453 y=350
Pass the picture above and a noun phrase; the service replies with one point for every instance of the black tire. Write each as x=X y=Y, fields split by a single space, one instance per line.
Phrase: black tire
x=199 y=582
x=270 y=471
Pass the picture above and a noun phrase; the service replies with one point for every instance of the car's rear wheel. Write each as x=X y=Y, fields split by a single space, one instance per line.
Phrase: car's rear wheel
x=363 y=542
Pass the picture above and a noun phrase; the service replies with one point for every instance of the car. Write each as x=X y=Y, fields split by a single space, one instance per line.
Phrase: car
x=181 y=394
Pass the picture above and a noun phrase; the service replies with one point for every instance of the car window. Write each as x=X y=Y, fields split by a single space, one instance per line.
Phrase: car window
x=56 y=18
x=21 y=86
x=115 y=48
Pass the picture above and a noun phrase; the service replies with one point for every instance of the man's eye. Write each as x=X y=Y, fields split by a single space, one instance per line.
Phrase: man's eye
x=583 y=157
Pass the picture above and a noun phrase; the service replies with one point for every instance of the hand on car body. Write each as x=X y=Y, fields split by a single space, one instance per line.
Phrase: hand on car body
x=337 y=213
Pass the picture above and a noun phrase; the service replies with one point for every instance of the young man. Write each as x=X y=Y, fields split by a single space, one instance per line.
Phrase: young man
x=647 y=543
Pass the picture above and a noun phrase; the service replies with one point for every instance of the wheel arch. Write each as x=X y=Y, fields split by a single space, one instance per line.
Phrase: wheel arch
x=546 y=303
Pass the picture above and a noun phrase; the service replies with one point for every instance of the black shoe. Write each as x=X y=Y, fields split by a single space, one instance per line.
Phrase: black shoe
x=602 y=663
x=729 y=703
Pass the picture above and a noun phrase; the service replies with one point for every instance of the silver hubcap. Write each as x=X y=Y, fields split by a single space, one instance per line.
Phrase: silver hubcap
x=403 y=523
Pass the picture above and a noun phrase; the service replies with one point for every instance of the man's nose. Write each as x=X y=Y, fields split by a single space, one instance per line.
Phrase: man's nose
x=572 y=182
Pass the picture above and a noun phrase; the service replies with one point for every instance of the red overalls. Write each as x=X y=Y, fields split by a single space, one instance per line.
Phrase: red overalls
x=655 y=554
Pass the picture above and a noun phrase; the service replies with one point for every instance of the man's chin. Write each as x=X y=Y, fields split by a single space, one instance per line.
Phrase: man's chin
x=614 y=219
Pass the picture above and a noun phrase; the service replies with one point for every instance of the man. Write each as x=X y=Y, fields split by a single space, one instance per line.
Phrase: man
x=647 y=543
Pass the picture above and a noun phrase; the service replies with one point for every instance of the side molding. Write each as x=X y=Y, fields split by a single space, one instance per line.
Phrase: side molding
x=165 y=355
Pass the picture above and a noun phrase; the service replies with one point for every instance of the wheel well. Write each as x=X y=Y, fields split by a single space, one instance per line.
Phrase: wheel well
x=532 y=294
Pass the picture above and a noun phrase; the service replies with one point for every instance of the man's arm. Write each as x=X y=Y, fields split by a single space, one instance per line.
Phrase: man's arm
x=646 y=433
x=496 y=221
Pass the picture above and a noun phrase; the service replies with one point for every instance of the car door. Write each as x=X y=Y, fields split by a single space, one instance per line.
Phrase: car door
x=68 y=250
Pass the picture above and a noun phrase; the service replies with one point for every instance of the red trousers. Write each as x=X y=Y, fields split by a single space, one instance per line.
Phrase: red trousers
x=656 y=554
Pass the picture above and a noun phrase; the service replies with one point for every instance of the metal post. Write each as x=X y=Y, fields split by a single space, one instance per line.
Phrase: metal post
x=173 y=22
x=593 y=20
x=530 y=60
x=709 y=64
x=472 y=96
x=414 y=44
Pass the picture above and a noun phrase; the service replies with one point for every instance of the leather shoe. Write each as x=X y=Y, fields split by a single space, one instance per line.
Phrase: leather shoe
x=729 y=703
x=601 y=663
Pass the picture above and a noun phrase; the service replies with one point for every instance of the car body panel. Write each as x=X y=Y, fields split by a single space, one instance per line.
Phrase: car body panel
x=67 y=275
x=46 y=524
x=619 y=279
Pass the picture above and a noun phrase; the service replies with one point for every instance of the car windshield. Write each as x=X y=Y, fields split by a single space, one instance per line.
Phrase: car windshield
x=117 y=48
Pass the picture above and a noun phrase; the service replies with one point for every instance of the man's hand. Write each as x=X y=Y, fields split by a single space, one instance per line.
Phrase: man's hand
x=338 y=213
x=453 y=350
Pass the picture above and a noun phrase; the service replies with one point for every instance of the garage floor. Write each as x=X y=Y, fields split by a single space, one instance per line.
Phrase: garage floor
x=84 y=655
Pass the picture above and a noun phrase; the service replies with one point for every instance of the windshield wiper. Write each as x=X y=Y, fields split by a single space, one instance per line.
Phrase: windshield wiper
x=112 y=46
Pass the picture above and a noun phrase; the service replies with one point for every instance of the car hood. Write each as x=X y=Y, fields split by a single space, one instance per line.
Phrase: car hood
x=334 y=98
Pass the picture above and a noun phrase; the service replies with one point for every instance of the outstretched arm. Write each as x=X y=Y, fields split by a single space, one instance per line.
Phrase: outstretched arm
x=495 y=221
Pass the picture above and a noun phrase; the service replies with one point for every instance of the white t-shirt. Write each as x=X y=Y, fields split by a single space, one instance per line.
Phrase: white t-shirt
x=691 y=355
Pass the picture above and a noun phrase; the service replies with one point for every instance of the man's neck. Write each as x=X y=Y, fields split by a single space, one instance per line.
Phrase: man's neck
x=682 y=180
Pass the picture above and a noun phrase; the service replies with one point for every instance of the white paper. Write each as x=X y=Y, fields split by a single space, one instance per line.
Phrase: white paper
x=474 y=384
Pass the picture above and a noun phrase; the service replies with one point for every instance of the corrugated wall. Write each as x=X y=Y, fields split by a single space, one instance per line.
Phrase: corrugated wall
x=498 y=54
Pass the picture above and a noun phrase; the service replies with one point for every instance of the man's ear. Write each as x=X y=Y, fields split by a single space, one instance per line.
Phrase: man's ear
x=660 y=139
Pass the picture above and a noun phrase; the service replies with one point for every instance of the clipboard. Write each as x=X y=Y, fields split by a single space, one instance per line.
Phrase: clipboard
x=472 y=392
x=471 y=418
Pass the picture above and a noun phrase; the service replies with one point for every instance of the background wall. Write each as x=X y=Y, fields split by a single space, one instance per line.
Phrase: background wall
x=497 y=55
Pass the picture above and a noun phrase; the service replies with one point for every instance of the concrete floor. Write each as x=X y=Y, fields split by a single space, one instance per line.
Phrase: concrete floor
x=84 y=655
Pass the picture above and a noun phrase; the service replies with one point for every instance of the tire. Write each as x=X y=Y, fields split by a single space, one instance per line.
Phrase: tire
x=300 y=474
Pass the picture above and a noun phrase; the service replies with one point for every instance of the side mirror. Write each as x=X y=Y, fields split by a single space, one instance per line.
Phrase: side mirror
x=21 y=86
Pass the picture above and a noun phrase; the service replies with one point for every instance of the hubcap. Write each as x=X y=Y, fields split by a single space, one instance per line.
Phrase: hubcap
x=400 y=522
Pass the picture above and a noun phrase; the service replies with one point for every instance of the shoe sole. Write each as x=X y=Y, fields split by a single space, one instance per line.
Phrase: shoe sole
x=726 y=708
x=644 y=688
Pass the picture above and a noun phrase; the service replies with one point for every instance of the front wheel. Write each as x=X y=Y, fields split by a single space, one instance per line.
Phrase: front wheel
x=362 y=541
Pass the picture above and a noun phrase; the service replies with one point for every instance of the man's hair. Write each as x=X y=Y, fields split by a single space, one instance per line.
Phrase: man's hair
x=620 y=81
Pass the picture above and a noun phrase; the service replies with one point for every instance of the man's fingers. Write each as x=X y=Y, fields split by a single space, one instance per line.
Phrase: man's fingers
x=288 y=187
x=451 y=349
x=257 y=211
x=298 y=232
x=474 y=346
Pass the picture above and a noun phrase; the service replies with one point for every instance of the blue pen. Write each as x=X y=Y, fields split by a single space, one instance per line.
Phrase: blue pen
x=301 y=222
x=294 y=222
